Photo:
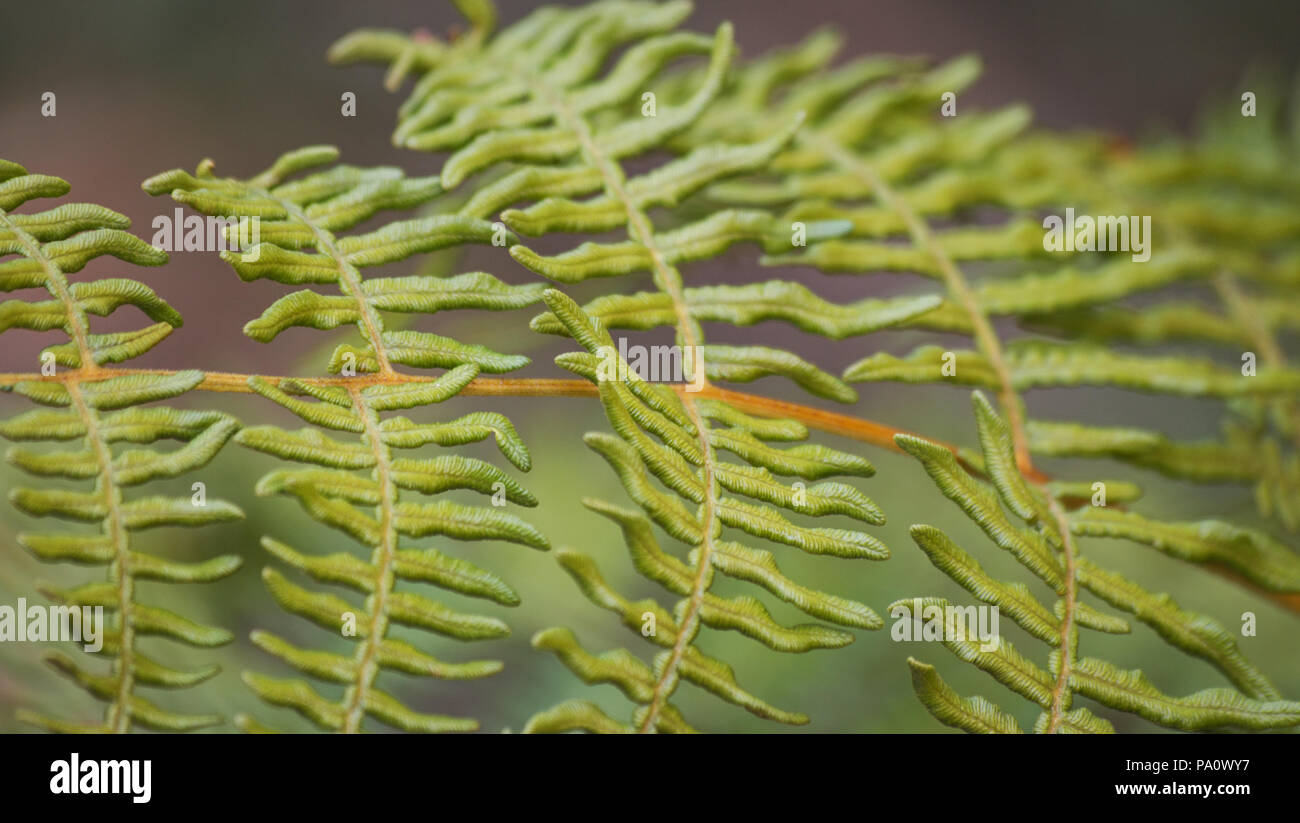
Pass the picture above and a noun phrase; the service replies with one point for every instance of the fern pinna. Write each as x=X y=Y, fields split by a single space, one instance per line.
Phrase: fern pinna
x=871 y=134
x=356 y=487
x=1046 y=544
x=855 y=169
x=99 y=407
x=533 y=96
x=1233 y=189
x=872 y=131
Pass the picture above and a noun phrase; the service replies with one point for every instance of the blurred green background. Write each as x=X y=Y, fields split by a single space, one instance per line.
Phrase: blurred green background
x=145 y=86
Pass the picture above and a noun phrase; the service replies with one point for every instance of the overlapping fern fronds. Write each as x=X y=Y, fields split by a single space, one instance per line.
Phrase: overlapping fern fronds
x=97 y=409
x=1025 y=521
x=676 y=439
x=532 y=96
x=850 y=169
x=356 y=487
x=873 y=134
x=1220 y=210
x=1234 y=189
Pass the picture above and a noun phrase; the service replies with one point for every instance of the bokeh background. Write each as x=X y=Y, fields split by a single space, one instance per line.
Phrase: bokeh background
x=148 y=85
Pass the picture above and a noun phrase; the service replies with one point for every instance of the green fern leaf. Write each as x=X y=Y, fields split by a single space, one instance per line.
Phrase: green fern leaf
x=50 y=245
x=357 y=489
x=1254 y=704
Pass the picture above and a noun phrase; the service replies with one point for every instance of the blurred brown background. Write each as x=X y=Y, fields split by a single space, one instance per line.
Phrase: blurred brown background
x=149 y=85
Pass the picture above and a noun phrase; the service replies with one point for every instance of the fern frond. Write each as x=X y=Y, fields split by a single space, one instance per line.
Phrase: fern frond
x=871 y=133
x=547 y=116
x=887 y=154
x=97 y=411
x=533 y=96
x=667 y=436
x=356 y=487
x=1032 y=526
x=1211 y=188
x=1252 y=227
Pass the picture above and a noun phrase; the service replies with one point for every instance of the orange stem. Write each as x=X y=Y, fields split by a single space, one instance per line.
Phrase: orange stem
x=844 y=425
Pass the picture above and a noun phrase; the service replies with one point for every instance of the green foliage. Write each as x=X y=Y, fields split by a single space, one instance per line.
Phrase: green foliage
x=1234 y=190
x=855 y=161
x=870 y=135
x=1218 y=205
x=843 y=168
x=304 y=201
x=1253 y=703
x=533 y=96
x=92 y=410
x=669 y=438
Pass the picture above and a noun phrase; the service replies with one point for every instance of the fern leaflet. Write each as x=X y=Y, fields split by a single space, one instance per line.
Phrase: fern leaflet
x=91 y=405
x=531 y=96
x=1050 y=552
x=870 y=134
x=355 y=487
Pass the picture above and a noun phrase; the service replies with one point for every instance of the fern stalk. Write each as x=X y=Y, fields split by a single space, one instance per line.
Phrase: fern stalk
x=689 y=626
x=846 y=425
x=96 y=231
x=985 y=336
x=1009 y=399
x=990 y=346
x=1069 y=634
x=119 y=717
x=382 y=559
x=669 y=280
x=370 y=325
x=305 y=216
